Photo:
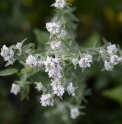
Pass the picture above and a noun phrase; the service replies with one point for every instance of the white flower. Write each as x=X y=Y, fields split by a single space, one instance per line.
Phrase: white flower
x=59 y=4
x=4 y=51
x=31 y=61
x=53 y=67
x=55 y=45
x=53 y=27
x=108 y=66
x=7 y=54
x=74 y=112
x=112 y=49
x=75 y=61
x=39 y=86
x=71 y=89
x=58 y=90
x=49 y=66
x=15 y=89
x=62 y=34
x=85 y=61
x=114 y=59
x=47 y=100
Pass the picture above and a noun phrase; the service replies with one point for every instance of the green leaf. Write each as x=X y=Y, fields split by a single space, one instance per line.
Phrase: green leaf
x=41 y=36
x=114 y=94
x=106 y=43
x=7 y=72
x=28 y=46
x=93 y=39
x=27 y=69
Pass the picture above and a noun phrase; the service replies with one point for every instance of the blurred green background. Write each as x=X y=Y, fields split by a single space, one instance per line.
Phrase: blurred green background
x=97 y=19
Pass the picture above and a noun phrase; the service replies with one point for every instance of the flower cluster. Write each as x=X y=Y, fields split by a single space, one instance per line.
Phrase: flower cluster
x=85 y=61
x=53 y=67
x=15 y=89
x=114 y=59
x=111 y=49
x=7 y=54
x=53 y=27
x=31 y=61
x=57 y=88
x=47 y=100
x=74 y=112
x=59 y=4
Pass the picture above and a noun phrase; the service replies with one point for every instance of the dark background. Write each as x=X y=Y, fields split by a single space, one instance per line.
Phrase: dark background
x=97 y=19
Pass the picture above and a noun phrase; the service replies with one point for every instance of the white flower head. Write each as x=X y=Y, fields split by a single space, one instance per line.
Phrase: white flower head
x=53 y=27
x=31 y=61
x=55 y=45
x=58 y=90
x=112 y=49
x=4 y=51
x=74 y=112
x=15 y=89
x=7 y=54
x=59 y=4
x=52 y=66
x=85 y=61
x=71 y=89
x=39 y=86
x=47 y=100
x=108 y=66
x=114 y=59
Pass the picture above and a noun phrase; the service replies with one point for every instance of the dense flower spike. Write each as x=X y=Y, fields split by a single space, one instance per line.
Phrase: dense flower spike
x=58 y=60
x=15 y=89
x=74 y=112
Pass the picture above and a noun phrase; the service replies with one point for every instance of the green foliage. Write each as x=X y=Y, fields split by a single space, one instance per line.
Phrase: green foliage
x=8 y=71
x=41 y=36
x=92 y=40
x=114 y=94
